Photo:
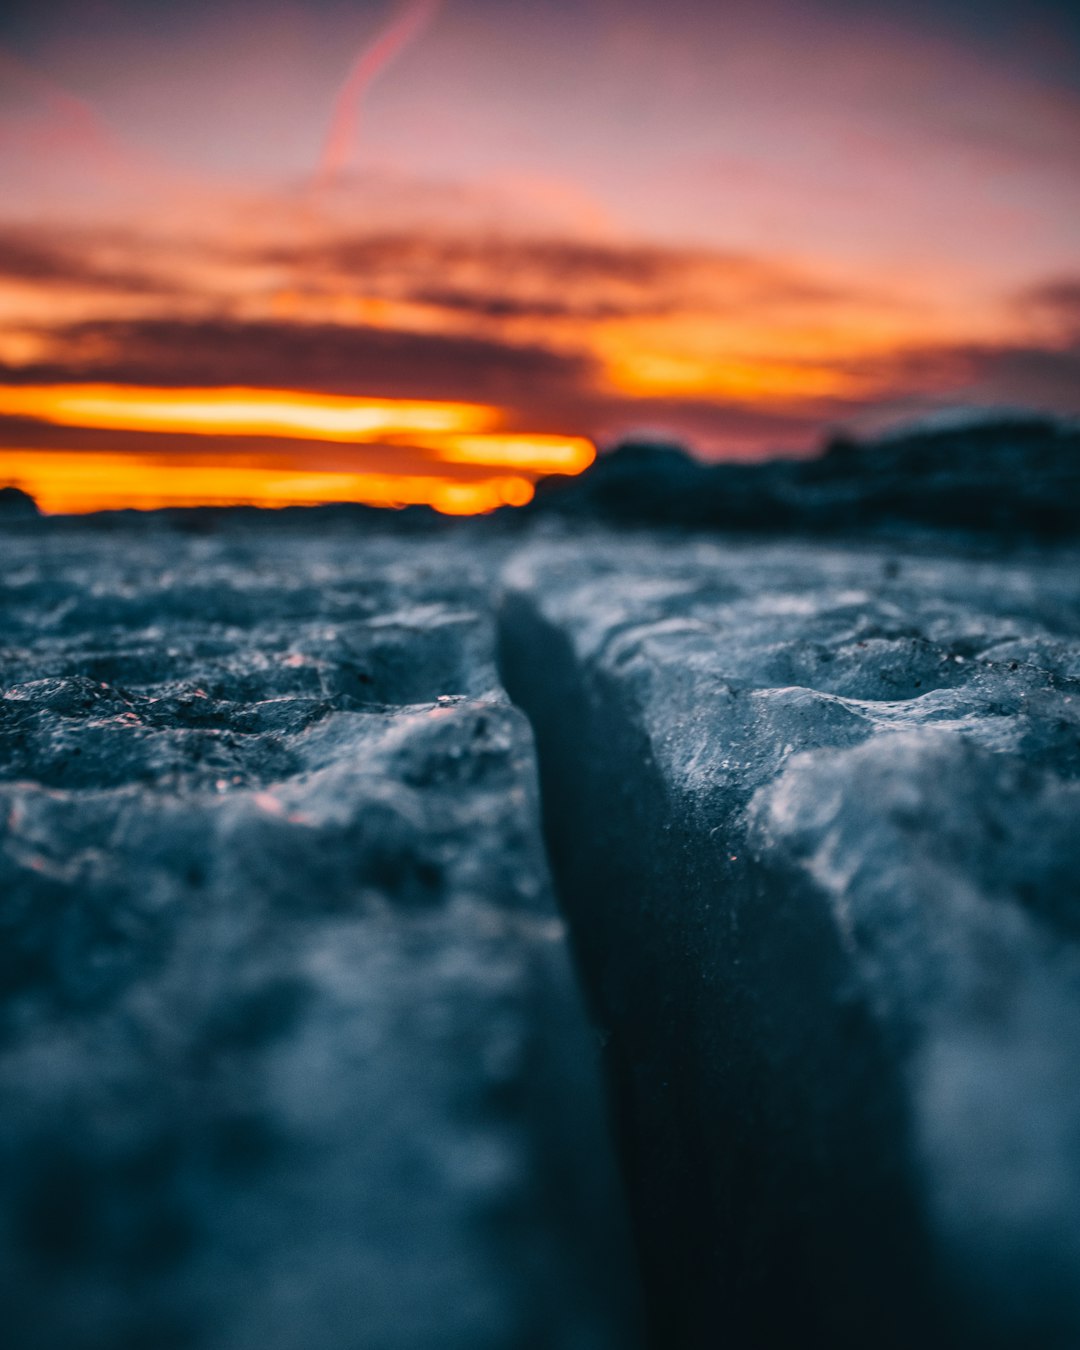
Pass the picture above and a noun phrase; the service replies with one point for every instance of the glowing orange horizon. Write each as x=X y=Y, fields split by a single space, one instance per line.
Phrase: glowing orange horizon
x=448 y=432
x=445 y=435
x=82 y=481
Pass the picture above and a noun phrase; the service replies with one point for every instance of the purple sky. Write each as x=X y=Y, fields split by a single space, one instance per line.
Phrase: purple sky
x=742 y=225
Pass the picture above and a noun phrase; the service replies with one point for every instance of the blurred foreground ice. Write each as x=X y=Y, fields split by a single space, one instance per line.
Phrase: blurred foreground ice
x=291 y=1054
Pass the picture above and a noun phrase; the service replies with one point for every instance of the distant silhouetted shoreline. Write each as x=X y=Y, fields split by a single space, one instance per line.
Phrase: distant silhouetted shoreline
x=1019 y=475
x=1016 y=477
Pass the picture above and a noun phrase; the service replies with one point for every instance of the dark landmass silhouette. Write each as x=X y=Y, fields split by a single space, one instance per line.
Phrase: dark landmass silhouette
x=1019 y=475
x=15 y=502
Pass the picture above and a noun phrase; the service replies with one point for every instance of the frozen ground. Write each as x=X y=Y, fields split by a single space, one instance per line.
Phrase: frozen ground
x=290 y=1049
x=815 y=814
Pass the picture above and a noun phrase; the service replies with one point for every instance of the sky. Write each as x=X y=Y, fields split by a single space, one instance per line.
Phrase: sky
x=426 y=250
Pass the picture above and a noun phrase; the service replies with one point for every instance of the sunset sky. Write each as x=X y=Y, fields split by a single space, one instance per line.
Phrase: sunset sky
x=423 y=251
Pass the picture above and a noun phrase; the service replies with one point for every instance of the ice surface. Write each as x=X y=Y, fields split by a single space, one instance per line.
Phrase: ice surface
x=290 y=1048
x=291 y=1053
x=814 y=813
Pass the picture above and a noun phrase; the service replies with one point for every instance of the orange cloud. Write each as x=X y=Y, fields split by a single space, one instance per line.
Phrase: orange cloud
x=491 y=351
x=255 y=412
x=82 y=481
x=445 y=455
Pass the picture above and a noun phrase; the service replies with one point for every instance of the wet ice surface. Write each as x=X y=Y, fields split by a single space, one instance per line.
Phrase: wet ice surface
x=290 y=1051
x=829 y=800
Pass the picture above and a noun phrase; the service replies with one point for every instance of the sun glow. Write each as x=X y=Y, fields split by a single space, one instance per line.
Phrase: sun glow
x=245 y=412
x=448 y=436
x=80 y=481
x=535 y=454
x=678 y=375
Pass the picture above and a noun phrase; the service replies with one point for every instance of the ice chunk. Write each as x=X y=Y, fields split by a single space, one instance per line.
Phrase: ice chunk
x=291 y=1052
x=813 y=816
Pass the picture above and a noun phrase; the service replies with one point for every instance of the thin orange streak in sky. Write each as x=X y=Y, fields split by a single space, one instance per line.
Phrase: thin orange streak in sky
x=453 y=433
x=243 y=411
x=389 y=44
x=76 y=482
x=525 y=451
